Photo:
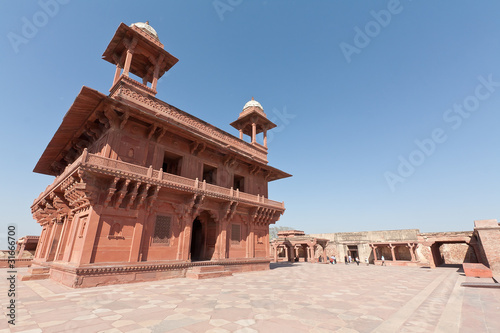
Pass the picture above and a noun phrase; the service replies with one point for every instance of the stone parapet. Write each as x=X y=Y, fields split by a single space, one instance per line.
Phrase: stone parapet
x=115 y=168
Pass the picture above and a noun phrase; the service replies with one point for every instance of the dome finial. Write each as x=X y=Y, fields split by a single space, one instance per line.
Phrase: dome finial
x=147 y=22
x=253 y=99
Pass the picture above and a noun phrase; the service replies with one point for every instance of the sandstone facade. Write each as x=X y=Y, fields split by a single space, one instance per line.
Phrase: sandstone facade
x=146 y=191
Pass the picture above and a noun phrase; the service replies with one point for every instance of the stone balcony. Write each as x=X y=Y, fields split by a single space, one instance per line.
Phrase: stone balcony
x=115 y=168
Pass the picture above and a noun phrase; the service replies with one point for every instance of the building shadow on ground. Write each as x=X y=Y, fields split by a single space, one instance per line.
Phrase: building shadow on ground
x=275 y=265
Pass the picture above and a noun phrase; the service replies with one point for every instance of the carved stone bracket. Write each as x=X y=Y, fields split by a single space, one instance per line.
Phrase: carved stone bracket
x=124 y=119
x=197 y=147
x=111 y=191
x=133 y=195
x=254 y=169
x=198 y=202
x=229 y=161
x=143 y=193
x=121 y=193
x=152 y=197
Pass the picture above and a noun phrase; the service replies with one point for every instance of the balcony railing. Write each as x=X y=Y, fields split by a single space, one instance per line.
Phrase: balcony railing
x=121 y=168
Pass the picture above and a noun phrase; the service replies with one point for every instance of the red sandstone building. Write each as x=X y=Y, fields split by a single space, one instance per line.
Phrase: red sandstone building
x=145 y=191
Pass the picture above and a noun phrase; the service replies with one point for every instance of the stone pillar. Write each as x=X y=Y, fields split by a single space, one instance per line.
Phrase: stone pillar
x=275 y=249
x=250 y=241
x=241 y=134
x=265 y=138
x=432 y=263
x=180 y=241
x=375 y=258
x=48 y=241
x=254 y=132
x=411 y=247
x=89 y=237
x=286 y=253
x=128 y=59
x=39 y=245
x=117 y=73
x=156 y=73
x=218 y=228
x=62 y=240
x=186 y=249
x=21 y=249
x=324 y=253
x=135 y=247
x=266 y=241
x=72 y=230
x=56 y=237
x=392 y=252
x=223 y=240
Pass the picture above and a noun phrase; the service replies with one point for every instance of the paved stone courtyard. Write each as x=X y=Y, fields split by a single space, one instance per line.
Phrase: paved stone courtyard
x=288 y=298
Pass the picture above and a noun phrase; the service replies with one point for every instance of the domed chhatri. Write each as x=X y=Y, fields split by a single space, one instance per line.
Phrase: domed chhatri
x=136 y=49
x=254 y=103
x=146 y=28
x=252 y=121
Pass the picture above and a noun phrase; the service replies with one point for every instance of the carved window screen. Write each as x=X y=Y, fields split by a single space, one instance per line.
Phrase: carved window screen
x=235 y=233
x=161 y=233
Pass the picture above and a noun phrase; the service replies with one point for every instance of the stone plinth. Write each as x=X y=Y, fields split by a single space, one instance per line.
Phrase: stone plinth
x=488 y=232
x=477 y=270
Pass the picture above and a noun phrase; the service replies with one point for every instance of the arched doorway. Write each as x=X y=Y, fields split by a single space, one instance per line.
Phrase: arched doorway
x=197 y=241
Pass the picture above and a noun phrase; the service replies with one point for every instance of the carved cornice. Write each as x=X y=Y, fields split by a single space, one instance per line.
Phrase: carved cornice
x=154 y=266
x=128 y=92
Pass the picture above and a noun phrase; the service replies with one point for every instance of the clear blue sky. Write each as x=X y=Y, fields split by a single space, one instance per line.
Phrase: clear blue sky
x=347 y=119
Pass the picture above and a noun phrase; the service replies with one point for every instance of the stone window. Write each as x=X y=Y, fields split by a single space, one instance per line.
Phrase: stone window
x=239 y=183
x=83 y=225
x=235 y=233
x=161 y=233
x=172 y=163
x=210 y=174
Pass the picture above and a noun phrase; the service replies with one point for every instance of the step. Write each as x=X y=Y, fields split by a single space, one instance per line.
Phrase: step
x=207 y=269
x=207 y=272
x=29 y=277
x=209 y=275
x=480 y=284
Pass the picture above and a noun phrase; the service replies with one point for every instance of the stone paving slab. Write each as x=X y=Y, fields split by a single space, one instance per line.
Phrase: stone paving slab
x=299 y=298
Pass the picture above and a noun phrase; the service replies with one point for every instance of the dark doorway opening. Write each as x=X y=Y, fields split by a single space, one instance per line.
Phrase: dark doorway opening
x=197 y=241
x=352 y=250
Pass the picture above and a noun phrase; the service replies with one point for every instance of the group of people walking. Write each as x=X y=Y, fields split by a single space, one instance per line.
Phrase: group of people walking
x=348 y=260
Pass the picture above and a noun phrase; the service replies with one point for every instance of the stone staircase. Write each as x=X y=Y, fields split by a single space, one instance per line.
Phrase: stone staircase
x=207 y=272
x=36 y=273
